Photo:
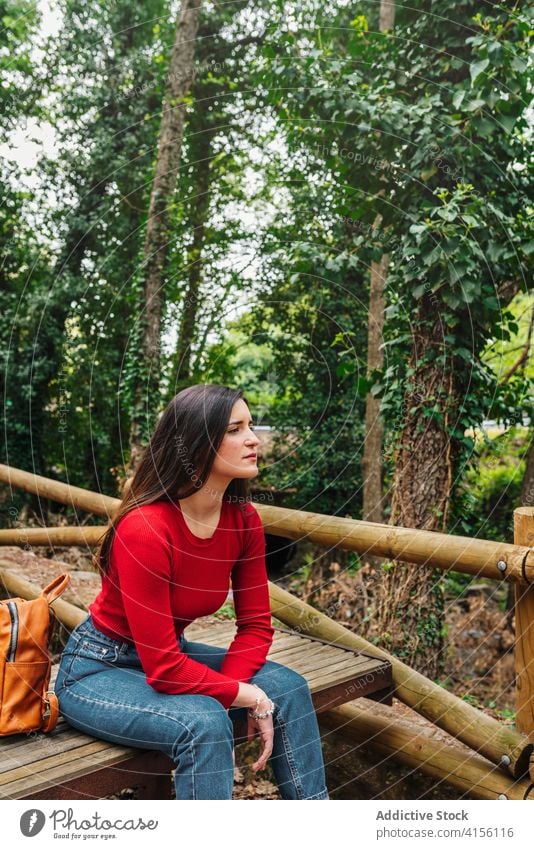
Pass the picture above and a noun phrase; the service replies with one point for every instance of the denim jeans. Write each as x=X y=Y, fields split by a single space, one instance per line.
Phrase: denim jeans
x=102 y=690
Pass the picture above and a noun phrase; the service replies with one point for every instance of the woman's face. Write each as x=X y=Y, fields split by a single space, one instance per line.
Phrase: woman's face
x=233 y=458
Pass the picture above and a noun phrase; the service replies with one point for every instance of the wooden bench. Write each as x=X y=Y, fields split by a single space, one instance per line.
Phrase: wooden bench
x=67 y=764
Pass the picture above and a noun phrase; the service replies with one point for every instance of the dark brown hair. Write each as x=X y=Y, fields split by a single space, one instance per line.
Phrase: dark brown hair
x=179 y=457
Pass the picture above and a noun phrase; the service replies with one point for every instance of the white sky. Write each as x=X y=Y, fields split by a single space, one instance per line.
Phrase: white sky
x=26 y=144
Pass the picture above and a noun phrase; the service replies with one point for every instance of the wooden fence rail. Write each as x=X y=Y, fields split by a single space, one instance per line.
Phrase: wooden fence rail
x=502 y=561
x=511 y=562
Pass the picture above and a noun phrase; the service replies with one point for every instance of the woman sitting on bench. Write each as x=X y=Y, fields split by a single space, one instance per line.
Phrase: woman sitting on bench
x=185 y=527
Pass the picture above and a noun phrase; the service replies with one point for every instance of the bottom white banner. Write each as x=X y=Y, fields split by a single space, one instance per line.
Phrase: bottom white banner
x=227 y=825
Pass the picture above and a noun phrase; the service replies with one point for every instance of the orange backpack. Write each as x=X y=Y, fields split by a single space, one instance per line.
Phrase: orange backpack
x=25 y=631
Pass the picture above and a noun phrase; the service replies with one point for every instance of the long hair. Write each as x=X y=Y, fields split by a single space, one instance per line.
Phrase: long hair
x=180 y=455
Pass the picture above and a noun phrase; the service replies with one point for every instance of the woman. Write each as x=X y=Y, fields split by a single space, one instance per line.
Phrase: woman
x=184 y=529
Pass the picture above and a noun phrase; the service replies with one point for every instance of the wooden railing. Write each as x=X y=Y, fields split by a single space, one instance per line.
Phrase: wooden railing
x=500 y=561
x=510 y=749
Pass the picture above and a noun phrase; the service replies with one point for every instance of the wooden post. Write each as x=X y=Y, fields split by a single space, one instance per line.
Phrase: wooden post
x=524 y=629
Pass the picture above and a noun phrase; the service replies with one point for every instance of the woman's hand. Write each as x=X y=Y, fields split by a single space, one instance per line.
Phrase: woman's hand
x=264 y=729
x=252 y=696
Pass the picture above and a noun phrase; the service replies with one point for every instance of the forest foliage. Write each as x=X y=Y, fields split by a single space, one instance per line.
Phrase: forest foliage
x=313 y=145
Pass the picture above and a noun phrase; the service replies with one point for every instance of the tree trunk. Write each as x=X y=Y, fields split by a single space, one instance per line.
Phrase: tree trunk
x=387 y=15
x=410 y=602
x=411 y=609
x=179 y=80
x=374 y=426
x=201 y=181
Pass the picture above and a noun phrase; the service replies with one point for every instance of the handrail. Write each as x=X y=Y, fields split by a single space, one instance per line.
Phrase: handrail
x=503 y=746
x=75 y=496
x=498 y=560
x=479 y=557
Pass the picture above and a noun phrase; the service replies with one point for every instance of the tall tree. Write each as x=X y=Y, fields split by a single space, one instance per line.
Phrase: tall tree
x=213 y=177
x=25 y=268
x=461 y=240
x=179 y=80
x=106 y=79
x=372 y=465
x=422 y=110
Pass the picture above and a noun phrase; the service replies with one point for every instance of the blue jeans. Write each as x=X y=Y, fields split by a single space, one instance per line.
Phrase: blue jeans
x=102 y=690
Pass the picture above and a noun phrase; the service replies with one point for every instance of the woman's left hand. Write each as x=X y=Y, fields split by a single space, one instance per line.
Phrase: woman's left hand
x=265 y=730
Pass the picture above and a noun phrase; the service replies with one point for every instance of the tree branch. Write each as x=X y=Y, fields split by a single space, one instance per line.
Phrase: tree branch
x=523 y=357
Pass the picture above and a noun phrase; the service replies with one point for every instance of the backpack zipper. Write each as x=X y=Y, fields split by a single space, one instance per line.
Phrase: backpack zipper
x=14 y=614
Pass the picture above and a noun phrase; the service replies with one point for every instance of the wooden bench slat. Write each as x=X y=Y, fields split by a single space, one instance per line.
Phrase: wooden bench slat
x=362 y=667
x=46 y=745
x=282 y=643
x=223 y=641
x=341 y=668
x=110 y=755
x=328 y=678
x=290 y=654
x=62 y=758
x=312 y=659
x=311 y=669
x=324 y=651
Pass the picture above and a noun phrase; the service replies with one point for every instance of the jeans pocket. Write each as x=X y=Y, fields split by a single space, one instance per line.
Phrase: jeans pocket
x=87 y=659
x=95 y=649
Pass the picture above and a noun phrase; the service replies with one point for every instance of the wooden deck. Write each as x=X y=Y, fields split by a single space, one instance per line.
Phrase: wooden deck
x=67 y=764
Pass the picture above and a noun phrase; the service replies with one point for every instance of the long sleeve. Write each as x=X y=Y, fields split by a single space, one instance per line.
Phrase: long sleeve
x=142 y=555
x=254 y=635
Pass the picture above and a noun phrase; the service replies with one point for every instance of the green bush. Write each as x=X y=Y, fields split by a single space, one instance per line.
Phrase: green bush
x=492 y=488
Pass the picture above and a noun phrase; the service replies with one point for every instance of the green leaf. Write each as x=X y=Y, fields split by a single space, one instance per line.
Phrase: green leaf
x=360 y=23
x=428 y=173
x=448 y=214
x=363 y=386
x=434 y=256
x=343 y=369
x=478 y=68
x=471 y=221
x=519 y=64
x=475 y=104
x=458 y=98
x=507 y=121
x=452 y=301
x=485 y=127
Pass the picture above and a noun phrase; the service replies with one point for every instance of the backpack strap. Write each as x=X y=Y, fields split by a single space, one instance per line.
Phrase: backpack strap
x=56 y=587
x=51 y=714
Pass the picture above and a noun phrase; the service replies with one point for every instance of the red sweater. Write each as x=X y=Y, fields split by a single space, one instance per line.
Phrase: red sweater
x=162 y=577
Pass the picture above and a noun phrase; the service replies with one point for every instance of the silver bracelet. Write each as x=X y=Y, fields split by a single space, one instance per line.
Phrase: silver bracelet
x=256 y=715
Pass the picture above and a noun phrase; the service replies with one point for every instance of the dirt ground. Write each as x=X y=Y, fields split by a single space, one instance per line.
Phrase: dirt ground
x=479 y=668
